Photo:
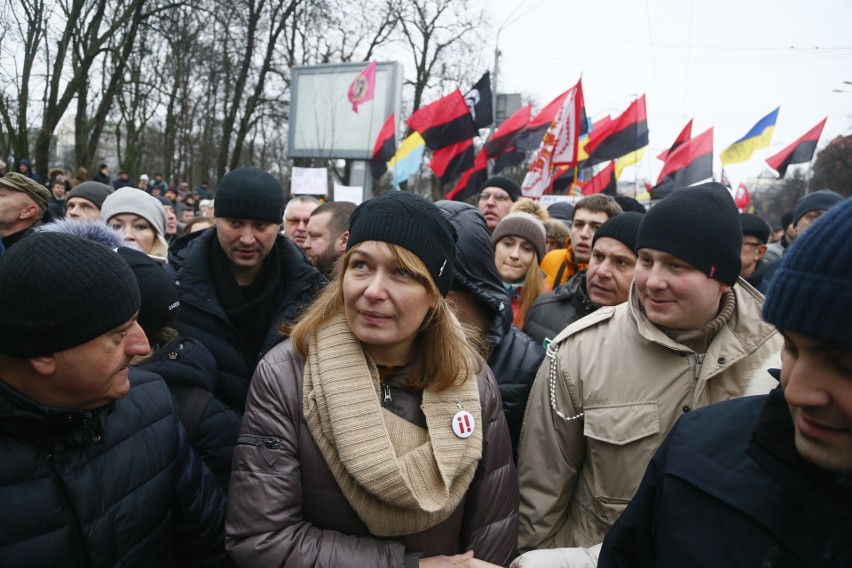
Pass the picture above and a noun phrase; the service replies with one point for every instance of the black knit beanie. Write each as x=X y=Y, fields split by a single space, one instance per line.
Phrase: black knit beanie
x=160 y=302
x=413 y=223
x=524 y=225
x=756 y=227
x=816 y=201
x=99 y=293
x=622 y=227
x=700 y=225
x=811 y=293
x=249 y=193
x=510 y=186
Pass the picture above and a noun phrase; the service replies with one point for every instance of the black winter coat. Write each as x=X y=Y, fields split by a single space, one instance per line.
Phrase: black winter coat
x=556 y=310
x=727 y=488
x=116 y=486
x=202 y=317
x=212 y=426
x=513 y=356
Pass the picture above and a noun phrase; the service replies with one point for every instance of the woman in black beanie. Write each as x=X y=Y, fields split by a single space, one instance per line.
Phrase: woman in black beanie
x=375 y=435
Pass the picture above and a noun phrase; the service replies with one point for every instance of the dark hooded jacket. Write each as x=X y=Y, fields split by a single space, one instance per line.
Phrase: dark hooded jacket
x=202 y=316
x=513 y=356
x=212 y=426
x=554 y=311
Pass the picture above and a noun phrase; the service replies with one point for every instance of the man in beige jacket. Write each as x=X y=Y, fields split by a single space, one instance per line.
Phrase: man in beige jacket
x=615 y=382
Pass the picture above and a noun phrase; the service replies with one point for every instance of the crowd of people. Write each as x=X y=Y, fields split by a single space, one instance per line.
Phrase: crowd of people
x=245 y=380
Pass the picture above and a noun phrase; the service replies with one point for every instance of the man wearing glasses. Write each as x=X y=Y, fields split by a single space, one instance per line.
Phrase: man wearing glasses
x=496 y=198
x=755 y=236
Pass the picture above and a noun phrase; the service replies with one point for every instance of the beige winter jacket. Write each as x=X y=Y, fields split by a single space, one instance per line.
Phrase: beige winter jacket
x=631 y=382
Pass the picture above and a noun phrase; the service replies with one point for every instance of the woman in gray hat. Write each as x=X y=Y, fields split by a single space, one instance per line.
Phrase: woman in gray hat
x=140 y=218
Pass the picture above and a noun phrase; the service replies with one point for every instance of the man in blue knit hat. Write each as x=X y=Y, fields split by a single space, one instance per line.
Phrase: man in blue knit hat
x=764 y=481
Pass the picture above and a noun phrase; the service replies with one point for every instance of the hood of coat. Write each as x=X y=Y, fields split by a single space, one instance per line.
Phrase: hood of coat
x=183 y=361
x=475 y=271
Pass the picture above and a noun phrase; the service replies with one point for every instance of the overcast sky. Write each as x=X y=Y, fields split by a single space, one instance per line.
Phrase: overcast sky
x=725 y=63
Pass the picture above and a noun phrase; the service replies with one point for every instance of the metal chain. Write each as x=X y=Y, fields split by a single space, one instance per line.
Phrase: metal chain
x=551 y=354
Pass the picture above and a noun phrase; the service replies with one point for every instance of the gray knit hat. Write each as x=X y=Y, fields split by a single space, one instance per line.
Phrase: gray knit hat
x=817 y=201
x=99 y=293
x=32 y=188
x=93 y=191
x=136 y=202
x=524 y=225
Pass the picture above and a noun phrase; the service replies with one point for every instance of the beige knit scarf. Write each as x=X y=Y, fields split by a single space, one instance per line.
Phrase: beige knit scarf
x=397 y=477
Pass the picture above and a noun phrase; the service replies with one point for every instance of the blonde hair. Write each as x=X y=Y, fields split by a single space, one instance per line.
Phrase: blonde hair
x=446 y=349
x=160 y=248
x=533 y=288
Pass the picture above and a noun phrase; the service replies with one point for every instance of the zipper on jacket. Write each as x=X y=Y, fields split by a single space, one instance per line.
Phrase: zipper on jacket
x=699 y=360
x=79 y=539
x=387 y=399
x=263 y=443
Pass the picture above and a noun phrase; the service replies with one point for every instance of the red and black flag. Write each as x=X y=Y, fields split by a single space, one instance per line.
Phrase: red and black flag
x=444 y=122
x=450 y=161
x=479 y=102
x=471 y=181
x=602 y=182
x=530 y=138
x=626 y=133
x=691 y=162
x=504 y=137
x=384 y=149
x=563 y=177
x=511 y=157
x=800 y=151
x=684 y=135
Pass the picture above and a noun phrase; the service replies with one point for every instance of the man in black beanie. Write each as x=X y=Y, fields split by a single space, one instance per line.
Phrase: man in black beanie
x=616 y=381
x=496 y=198
x=605 y=283
x=96 y=470
x=240 y=280
x=764 y=480
x=756 y=233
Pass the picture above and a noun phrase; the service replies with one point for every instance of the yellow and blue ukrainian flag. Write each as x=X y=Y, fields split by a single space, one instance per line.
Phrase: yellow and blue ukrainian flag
x=406 y=162
x=758 y=137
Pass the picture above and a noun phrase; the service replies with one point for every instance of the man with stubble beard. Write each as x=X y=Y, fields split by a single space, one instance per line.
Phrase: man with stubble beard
x=240 y=280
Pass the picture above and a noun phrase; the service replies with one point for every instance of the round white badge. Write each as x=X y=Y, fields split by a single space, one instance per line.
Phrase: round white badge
x=463 y=424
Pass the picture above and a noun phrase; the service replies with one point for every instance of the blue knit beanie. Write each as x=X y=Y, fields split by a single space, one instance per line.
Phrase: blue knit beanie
x=811 y=293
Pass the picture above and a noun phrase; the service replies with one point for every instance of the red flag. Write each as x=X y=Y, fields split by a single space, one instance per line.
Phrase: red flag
x=742 y=197
x=362 y=88
x=800 y=151
x=684 y=135
x=530 y=138
x=450 y=161
x=626 y=133
x=471 y=181
x=505 y=135
x=690 y=162
x=444 y=122
x=602 y=182
x=384 y=148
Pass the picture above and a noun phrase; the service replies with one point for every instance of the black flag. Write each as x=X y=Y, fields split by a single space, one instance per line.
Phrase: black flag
x=479 y=102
